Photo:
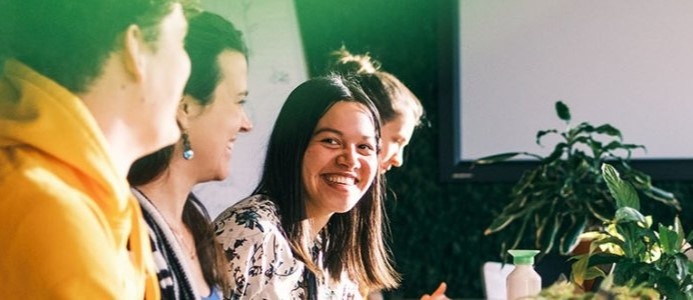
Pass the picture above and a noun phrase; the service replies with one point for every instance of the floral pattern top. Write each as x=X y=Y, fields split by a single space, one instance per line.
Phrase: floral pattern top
x=261 y=264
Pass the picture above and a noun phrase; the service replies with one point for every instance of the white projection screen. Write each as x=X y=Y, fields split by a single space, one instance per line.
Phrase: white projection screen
x=628 y=63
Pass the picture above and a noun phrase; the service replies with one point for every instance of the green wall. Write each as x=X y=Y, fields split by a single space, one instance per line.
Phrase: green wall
x=437 y=228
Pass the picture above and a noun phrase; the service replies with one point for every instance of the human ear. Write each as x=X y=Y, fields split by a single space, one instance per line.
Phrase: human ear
x=182 y=113
x=133 y=59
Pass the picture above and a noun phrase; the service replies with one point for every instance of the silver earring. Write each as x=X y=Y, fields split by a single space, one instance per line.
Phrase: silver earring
x=188 y=153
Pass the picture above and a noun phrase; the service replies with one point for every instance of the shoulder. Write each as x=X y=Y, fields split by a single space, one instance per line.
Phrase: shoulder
x=46 y=210
x=260 y=260
x=254 y=215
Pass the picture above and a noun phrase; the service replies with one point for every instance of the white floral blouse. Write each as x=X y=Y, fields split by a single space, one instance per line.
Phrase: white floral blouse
x=260 y=261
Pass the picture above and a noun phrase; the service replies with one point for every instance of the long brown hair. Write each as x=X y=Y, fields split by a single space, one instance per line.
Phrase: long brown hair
x=355 y=242
x=208 y=36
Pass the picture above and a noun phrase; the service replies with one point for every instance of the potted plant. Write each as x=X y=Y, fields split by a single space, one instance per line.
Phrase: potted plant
x=640 y=255
x=565 y=193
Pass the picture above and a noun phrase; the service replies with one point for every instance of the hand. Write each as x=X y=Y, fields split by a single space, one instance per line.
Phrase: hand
x=438 y=294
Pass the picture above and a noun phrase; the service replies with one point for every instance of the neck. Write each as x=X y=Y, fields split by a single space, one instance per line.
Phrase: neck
x=107 y=100
x=168 y=194
x=317 y=222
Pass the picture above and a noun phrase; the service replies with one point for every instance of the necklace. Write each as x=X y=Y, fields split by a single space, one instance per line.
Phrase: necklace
x=181 y=241
x=176 y=233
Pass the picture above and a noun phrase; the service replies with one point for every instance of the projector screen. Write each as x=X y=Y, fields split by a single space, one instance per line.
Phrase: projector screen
x=628 y=63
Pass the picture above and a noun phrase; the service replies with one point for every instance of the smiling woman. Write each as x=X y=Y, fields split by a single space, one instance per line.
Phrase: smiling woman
x=313 y=229
x=340 y=161
x=210 y=116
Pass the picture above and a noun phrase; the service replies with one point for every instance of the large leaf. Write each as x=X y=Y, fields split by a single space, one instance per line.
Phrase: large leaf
x=623 y=192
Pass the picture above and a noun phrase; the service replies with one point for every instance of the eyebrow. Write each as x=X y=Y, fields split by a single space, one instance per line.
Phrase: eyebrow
x=337 y=132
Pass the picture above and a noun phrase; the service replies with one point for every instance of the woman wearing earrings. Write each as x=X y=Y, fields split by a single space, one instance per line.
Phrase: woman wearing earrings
x=313 y=228
x=210 y=116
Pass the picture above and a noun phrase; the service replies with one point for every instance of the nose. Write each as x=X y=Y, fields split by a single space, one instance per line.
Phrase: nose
x=398 y=159
x=246 y=124
x=349 y=158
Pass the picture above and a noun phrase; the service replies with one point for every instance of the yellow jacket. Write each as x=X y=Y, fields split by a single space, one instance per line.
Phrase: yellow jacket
x=67 y=217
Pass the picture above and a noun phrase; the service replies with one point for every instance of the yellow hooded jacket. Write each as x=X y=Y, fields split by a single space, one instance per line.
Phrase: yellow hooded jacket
x=67 y=217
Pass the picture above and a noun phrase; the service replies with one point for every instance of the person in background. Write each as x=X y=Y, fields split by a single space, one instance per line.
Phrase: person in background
x=89 y=86
x=400 y=111
x=314 y=227
x=210 y=115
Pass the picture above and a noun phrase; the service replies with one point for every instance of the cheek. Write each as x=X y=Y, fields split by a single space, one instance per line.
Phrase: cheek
x=388 y=151
x=369 y=165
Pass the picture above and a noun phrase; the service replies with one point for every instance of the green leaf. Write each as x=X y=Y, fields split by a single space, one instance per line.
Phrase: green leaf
x=663 y=196
x=499 y=223
x=623 y=192
x=542 y=133
x=628 y=214
x=598 y=212
x=609 y=130
x=496 y=158
x=562 y=111
x=556 y=153
x=603 y=258
x=678 y=227
x=579 y=269
x=669 y=288
x=669 y=240
x=548 y=237
x=571 y=238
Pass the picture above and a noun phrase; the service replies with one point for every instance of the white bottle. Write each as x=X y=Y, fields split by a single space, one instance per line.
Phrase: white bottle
x=523 y=281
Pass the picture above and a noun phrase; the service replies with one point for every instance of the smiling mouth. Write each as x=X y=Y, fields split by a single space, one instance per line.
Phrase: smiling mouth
x=341 y=179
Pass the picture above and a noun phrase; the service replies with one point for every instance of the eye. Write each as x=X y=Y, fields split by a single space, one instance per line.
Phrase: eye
x=242 y=101
x=367 y=147
x=330 y=141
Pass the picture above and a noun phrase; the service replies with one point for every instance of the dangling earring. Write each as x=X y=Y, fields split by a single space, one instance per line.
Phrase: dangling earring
x=188 y=153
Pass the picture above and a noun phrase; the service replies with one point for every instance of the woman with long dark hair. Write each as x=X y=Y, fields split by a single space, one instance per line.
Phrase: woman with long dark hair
x=314 y=227
x=210 y=116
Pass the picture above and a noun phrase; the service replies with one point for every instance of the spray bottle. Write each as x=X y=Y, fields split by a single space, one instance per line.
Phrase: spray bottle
x=523 y=281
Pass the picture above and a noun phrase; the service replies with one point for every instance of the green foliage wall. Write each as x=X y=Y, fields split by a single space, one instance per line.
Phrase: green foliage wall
x=437 y=228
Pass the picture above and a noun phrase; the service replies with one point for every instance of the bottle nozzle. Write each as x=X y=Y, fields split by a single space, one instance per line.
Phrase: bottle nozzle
x=523 y=257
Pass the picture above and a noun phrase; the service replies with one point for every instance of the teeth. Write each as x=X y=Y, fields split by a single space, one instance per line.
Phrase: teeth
x=341 y=179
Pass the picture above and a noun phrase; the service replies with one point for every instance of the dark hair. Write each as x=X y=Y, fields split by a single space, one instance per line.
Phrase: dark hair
x=388 y=93
x=355 y=238
x=69 y=41
x=208 y=36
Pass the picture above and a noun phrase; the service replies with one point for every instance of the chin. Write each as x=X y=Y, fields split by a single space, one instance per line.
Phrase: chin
x=222 y=175
x=163 y=140
x=346 y=208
